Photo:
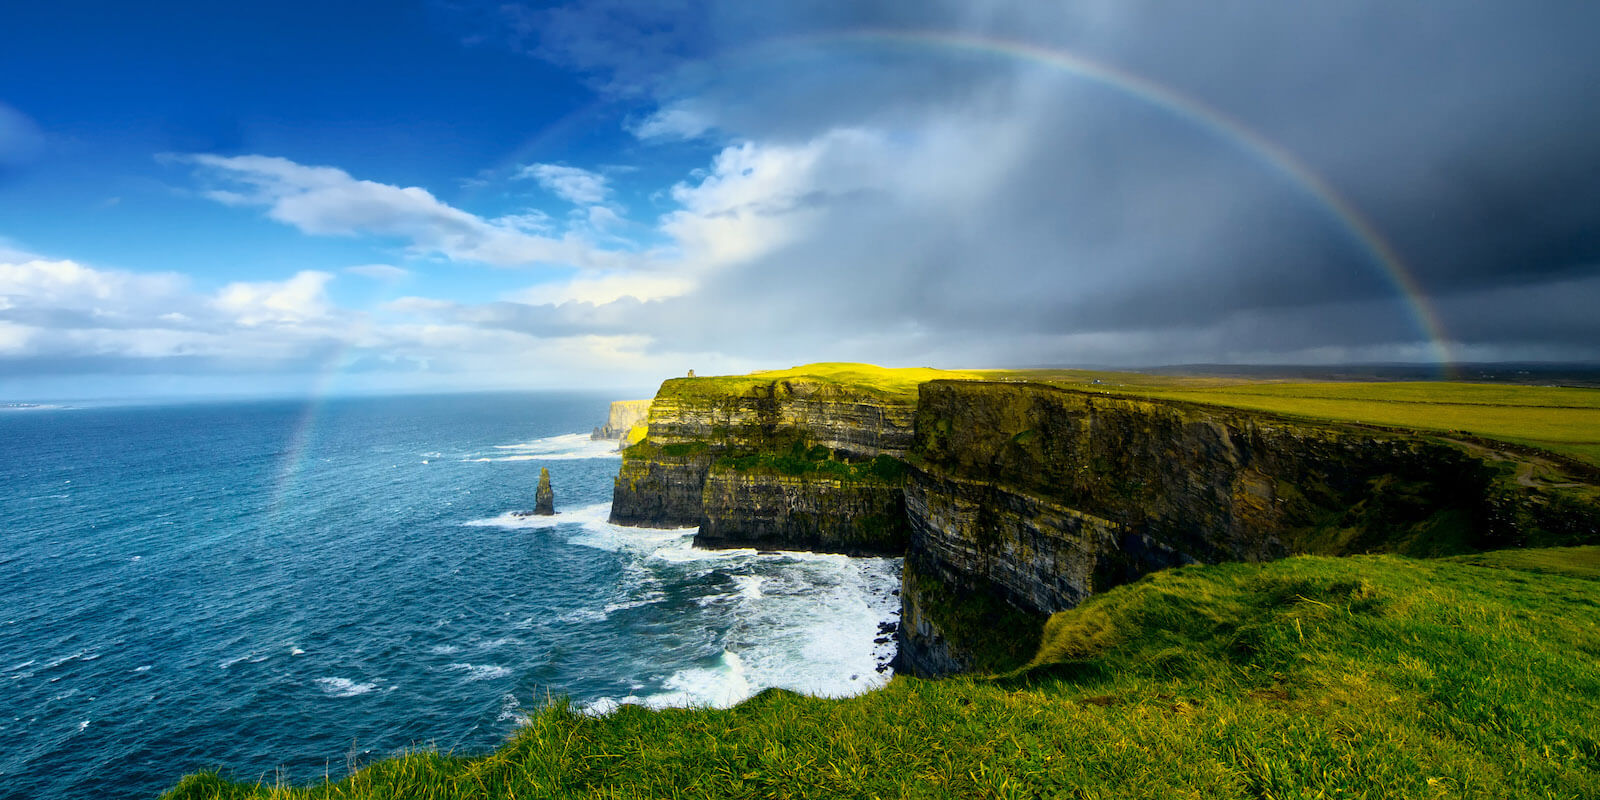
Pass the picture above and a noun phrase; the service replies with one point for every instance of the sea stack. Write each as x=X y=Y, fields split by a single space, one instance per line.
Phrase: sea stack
x=544 y=499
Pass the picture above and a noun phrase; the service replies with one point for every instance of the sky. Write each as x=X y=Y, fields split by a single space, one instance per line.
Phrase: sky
x=435 y=195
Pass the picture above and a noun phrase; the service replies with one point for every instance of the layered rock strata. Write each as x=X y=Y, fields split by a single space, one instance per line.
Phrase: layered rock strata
x=810 y=511
x=793 y=463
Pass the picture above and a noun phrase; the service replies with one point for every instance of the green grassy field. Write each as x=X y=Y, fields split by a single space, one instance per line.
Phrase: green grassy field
x=1367 y=677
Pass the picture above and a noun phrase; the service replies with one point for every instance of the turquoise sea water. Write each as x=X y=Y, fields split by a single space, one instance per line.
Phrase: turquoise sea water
x=280 y=589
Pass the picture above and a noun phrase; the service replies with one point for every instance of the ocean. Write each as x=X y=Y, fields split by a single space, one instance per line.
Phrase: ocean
x=281 y=589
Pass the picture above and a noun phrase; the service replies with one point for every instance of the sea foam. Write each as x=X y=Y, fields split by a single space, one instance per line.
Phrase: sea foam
x=551 y=448
x=344 y=687
x=806 y=622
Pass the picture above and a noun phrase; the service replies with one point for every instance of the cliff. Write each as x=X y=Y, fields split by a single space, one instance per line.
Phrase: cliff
x=1013 y=500
x=795 y=462
x=625 y=414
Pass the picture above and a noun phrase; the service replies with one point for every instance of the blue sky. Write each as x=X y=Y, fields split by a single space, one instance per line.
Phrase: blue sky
x=418 y=195
x=396 y=98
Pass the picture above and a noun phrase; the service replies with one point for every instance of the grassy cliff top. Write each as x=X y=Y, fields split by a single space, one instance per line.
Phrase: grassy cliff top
x=897 y=383
x=1561 y=420
x=1310 y=677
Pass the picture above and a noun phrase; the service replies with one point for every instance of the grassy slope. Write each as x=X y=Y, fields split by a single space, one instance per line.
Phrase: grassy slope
x=1310 y=677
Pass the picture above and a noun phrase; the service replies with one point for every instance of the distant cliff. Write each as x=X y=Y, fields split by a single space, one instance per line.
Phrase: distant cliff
x=790 y=463
x=1013 y=500
x=625 y=414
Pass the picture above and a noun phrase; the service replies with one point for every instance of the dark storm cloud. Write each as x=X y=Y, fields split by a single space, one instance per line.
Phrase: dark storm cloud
x=1468 y=135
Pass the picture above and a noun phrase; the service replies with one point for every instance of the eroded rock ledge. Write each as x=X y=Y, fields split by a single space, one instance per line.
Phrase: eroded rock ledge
x=1011 y=501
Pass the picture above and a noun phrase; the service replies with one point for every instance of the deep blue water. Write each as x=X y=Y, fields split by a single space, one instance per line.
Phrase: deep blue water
x=278 y=589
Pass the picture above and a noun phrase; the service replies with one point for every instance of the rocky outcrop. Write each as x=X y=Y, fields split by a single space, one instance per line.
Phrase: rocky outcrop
x=544 y=498
x=796 y=463
x=624 y=415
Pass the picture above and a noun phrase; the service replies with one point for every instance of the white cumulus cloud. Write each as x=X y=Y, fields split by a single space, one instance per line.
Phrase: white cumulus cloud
x=573 y=184
x=299 y=299
x=328 y=201
x=61 y=284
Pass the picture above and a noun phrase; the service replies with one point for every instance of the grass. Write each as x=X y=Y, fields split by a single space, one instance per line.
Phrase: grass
x=817 y=460
x=1583 y=562
x=1367 y=677
x=897 y=383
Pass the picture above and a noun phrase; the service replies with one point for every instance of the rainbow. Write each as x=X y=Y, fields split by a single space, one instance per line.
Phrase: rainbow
x=301 y=436
x=1228 y=129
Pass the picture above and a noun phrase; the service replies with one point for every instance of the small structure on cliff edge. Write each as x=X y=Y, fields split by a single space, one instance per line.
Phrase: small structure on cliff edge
x=544 y=498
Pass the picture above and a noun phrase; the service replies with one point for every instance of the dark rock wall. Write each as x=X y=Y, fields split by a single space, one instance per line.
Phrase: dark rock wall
x=814 y=512
x=680 y=475
x=658 y=487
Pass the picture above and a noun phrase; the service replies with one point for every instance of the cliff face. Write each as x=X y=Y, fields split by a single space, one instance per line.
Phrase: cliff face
x=739 y=415
x=792 y=463
x=1012 y=501
x=660 y=486
x=1042 y=496
x=809 y=511
x=1054 y=494
x=624 y=415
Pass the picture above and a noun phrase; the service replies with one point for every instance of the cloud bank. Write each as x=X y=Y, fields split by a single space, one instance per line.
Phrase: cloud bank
x=938 y=183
